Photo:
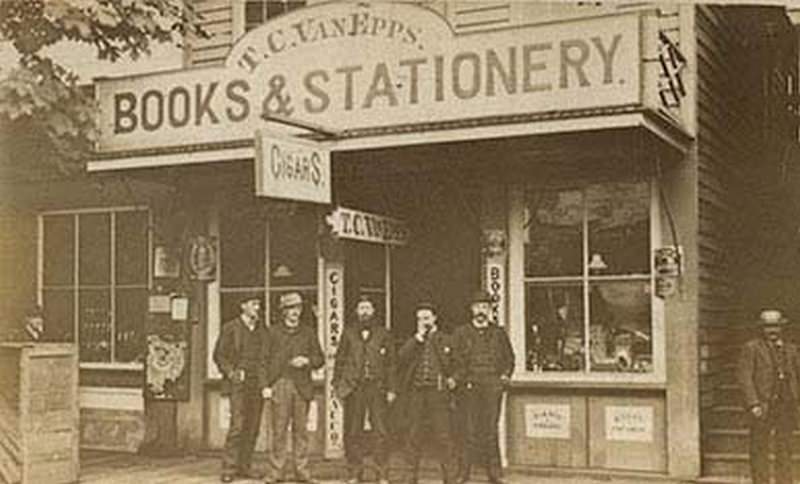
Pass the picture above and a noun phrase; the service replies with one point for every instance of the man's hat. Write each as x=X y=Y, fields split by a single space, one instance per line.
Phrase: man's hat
x=481 y=296
x=426 y=304
x=290 y=299
x=245 y=298
x=771 y=317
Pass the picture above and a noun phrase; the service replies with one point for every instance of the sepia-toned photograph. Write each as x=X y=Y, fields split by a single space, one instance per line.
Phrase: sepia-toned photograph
x=399 y=242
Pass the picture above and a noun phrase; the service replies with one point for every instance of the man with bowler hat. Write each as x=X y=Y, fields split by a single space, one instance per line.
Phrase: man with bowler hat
x=768 y=374
x=426 y=363
x=484 y=363
x=293 y=351
x=364 y=380
x=239 y=355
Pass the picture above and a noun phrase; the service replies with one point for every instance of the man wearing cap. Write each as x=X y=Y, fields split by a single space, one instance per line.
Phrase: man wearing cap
x=426 y=363
x=768 y=372
x=484 y=363
x=293 y=351
x=239 y=355
x=364 y=379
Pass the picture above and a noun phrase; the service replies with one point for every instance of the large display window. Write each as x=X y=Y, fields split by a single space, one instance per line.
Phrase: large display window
x=584 y=291
x=94 y=282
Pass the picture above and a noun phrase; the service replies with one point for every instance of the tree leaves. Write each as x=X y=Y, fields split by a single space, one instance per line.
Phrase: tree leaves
x=43 y=93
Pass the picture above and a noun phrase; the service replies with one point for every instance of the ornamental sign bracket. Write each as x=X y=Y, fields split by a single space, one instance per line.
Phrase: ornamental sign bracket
x=309 y=126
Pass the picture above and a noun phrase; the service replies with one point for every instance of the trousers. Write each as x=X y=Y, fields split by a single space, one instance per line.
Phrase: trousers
x=429 y=422
x=367 y=398
x=781 y=418
x=288 y=408
x=246 y=406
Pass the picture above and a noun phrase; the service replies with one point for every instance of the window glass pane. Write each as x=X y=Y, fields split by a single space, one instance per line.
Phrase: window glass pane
x=131 y=312
x=242 y=247
x=59 y=315
x=619 y=228
x=553 y=234
x=59 y=250
x=275 y=8
x=253 y=14
x=94 y=250
x=293 y=250
x=366 y=266
x=94 y=323
x=621 y=326
x=310 y=312
x=131 y=247
x=294 y=4
x=555 y=328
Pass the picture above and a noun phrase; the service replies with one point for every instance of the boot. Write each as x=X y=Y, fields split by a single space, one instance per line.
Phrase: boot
x=463 y=474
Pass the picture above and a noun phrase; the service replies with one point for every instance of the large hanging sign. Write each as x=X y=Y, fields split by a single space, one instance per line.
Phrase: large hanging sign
x=347 y=223
x=355 y=64
x=333 y=328
x=292 y=168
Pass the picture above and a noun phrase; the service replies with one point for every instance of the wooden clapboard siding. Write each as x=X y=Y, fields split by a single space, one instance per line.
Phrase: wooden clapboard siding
x=738 y=128
x=217 y=20
x=473 y=16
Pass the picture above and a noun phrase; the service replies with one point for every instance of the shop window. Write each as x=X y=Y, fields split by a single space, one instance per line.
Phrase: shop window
x=289 y=255
x=256 y=12
x=588 y=284
x=99 y=286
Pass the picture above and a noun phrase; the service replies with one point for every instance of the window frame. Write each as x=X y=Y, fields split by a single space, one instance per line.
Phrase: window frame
x=519 y=283
x=238 y=12
x=76 y=286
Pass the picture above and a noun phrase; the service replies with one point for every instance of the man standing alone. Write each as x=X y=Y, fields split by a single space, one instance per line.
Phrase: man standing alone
x=768 y=373
x=426 y=362
x=363 y=378
x=239 y=355
x=293 y=351
x=484 y=363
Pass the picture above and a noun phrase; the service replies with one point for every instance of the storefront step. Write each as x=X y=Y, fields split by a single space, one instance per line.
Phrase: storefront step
x=734 y=466
x=733 y=441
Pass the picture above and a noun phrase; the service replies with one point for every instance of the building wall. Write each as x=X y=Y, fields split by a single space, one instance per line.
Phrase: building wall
x=744 y=68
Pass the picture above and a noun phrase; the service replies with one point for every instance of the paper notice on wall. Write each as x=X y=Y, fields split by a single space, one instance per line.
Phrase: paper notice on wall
x=224 y=412
x=629 y=423
x=547 y=421
x=313 y=417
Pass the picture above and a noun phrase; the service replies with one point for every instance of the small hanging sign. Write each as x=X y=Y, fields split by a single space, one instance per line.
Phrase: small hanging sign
x=203 y=258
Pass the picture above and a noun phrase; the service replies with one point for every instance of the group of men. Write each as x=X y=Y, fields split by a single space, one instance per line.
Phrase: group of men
x=444 y=388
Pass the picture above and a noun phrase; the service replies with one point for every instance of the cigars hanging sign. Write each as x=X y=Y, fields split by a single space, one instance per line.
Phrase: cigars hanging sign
x=349 y=65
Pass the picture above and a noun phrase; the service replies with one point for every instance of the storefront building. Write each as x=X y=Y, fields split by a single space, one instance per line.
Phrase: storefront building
x=571 y=160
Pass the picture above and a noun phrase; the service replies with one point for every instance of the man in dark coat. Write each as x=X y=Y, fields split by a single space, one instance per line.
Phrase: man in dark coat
x=293 y=351
x=363 y=379
x=239 y=355
x=426 y=363
x=484 y=363
x=769 y=376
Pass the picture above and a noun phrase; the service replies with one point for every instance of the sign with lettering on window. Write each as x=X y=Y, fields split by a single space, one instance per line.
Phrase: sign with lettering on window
x=629 y=423
x=291 y=168
x=347 y=223
x=353 y=64
x=547 y=421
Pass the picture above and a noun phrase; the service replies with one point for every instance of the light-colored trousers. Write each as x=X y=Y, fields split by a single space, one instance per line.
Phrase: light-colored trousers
x=288 y=407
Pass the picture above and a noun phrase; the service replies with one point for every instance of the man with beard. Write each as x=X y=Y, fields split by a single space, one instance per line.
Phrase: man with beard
x=426 y=362
x=769 y=376
x=484 y=363
x=363 y=379
x=239 y=355
x=293 y=351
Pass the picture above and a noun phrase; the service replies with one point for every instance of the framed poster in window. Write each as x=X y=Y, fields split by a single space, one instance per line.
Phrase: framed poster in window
x=168 y=360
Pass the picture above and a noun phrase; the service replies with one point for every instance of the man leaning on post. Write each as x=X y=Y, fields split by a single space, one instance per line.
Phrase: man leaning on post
x=769 y=377
x=239 y=355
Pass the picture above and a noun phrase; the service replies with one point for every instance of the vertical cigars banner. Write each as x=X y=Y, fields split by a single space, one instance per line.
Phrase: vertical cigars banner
x=334 y=325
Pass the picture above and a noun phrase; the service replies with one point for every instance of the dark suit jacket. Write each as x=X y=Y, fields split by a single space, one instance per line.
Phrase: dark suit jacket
x=757 y=373
x=464 y=340
x=284 y=344
x=353 y=351
x=410 y=356
x=228 y=349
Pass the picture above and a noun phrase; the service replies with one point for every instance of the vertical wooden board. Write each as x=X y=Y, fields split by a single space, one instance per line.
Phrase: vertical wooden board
x=633 y=443
x=55 y=472
x=530 y=445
